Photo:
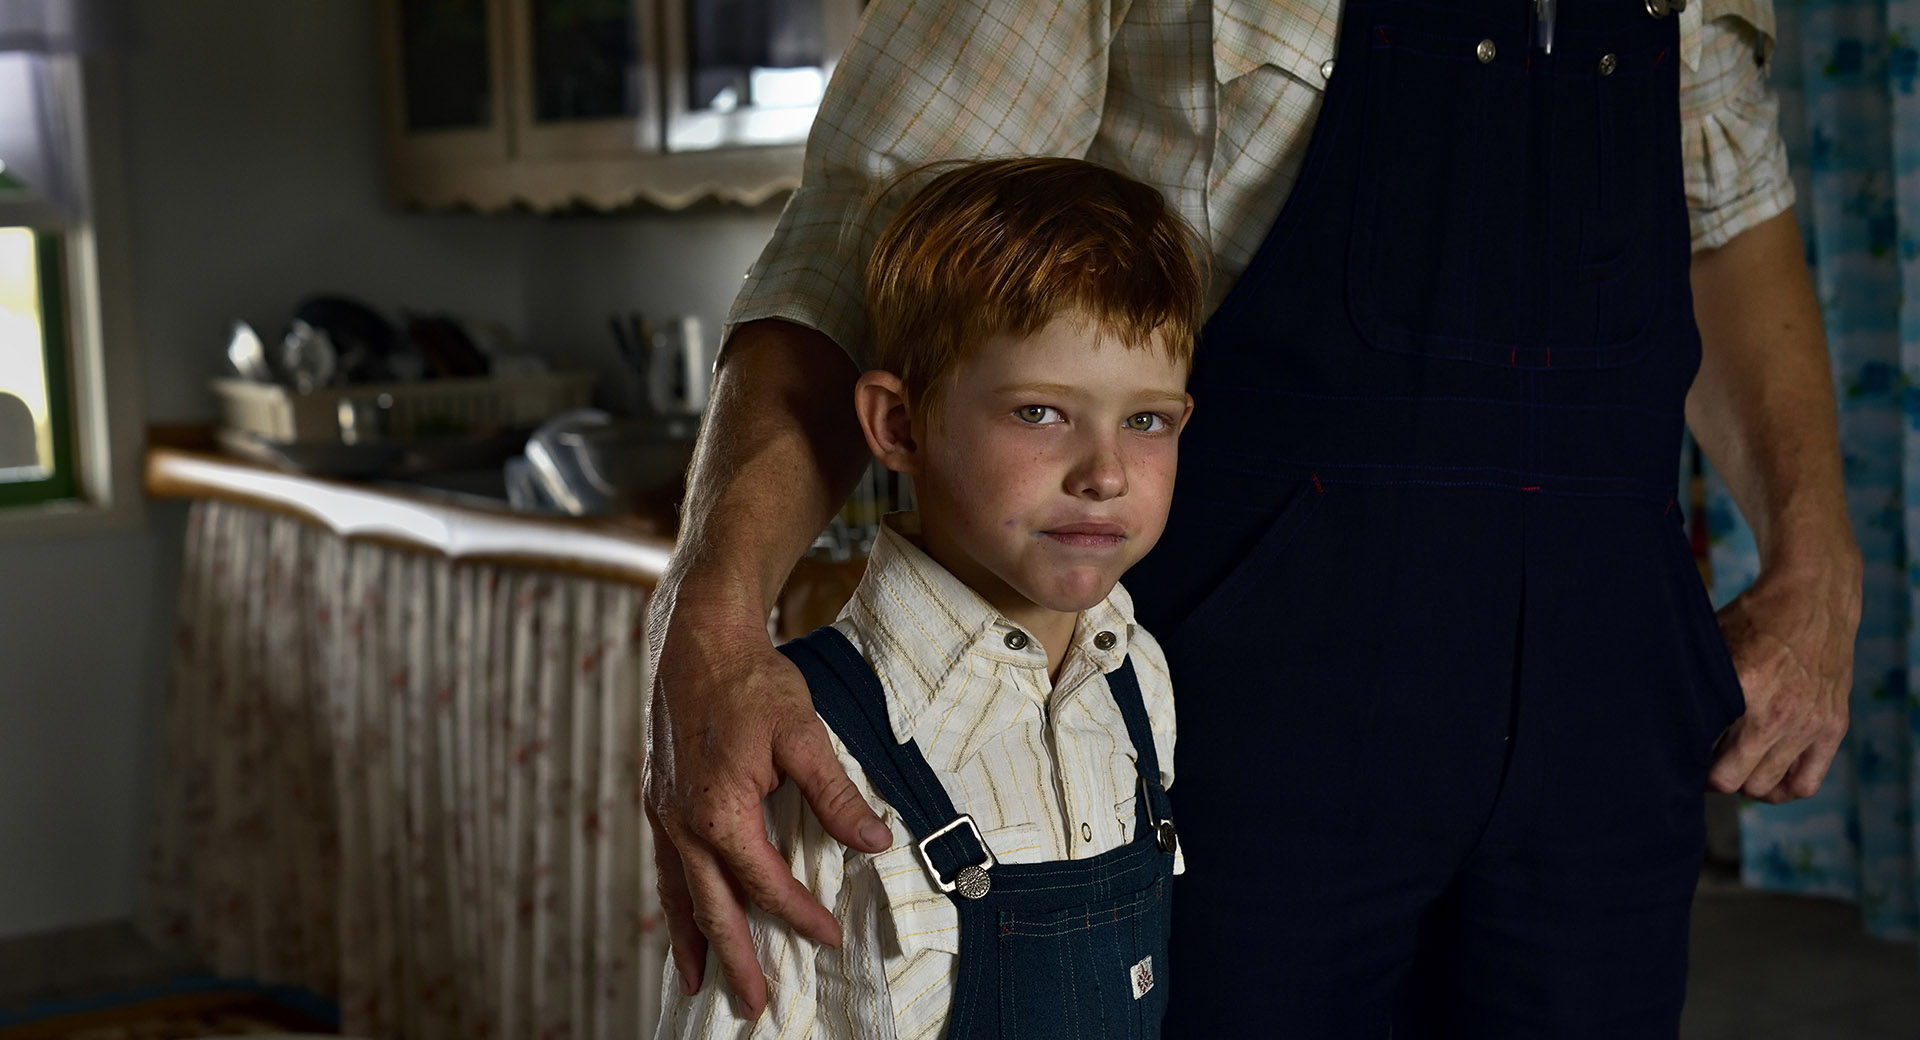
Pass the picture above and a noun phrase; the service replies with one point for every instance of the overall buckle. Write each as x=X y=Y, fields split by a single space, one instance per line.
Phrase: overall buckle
x=1163 y=830
x=972 y=880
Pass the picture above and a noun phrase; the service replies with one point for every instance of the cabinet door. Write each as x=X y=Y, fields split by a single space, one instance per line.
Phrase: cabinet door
x=445 y=66
x=586 y=78
x=749 y=72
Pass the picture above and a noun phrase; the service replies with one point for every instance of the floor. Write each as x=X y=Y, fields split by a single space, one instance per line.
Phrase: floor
x=1765 y=967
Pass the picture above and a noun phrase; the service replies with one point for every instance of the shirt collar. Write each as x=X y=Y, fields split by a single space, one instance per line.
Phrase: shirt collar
x=923 y=623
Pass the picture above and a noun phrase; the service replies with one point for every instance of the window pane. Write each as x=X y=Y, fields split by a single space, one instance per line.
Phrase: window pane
x=26 y=427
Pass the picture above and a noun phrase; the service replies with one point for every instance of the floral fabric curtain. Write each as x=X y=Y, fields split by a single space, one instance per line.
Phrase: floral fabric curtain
x=1846 y=71
x=409 y=784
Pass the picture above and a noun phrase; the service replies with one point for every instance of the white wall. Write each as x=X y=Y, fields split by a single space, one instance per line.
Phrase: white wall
x=253 y=154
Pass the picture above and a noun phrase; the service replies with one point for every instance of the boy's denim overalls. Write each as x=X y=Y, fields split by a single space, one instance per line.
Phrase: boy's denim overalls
x=1072 y=948
x=1448 y=682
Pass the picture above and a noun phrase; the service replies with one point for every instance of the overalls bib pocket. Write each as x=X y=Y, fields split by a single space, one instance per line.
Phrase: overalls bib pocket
x=1080 y=965
x=1452 y=255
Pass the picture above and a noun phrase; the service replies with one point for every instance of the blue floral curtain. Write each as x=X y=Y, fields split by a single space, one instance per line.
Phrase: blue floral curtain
x=1846 y=72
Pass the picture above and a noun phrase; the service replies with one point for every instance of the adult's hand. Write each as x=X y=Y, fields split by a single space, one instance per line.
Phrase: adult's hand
x=1762 y=408
x=730 y=716
x=1792 y=642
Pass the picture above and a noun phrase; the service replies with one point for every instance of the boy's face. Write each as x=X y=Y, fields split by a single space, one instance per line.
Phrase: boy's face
x=1050 y=468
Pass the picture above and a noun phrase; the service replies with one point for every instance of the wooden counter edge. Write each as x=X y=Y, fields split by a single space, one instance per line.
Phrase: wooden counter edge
x=593 y=548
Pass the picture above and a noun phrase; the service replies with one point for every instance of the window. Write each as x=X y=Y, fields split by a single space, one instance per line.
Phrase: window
x=36 y=452
x=67 y=365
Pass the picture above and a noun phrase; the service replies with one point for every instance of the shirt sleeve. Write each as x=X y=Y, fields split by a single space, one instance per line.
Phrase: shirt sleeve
x=1735 y=161
x=923 y=81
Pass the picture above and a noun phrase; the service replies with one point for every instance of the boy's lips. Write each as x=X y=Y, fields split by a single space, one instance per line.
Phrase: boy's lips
x=1088 y=534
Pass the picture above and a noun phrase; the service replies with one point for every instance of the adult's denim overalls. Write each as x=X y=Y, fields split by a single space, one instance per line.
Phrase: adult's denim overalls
x=1447 y=680
x=1049 y=951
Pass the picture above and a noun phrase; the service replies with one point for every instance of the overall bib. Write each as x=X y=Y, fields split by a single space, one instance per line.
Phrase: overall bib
x=1447 y=680
x=1072 y=948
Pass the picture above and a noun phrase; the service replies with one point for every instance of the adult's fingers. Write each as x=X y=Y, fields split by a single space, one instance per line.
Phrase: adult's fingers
x=689 y=947
x=719 y=913
x=804 y=753
x=1740 y=750
x=757 y=868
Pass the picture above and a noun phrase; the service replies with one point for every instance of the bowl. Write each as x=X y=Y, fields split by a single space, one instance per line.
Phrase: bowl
x=635 y=463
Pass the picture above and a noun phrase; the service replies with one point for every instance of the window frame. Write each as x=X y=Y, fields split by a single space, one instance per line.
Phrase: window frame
x=106 y=433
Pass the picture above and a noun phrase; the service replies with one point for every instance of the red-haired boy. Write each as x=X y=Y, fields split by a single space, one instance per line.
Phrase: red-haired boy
x=1034 y=323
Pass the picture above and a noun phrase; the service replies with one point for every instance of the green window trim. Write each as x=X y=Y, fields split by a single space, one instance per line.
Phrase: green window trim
x=49 y=253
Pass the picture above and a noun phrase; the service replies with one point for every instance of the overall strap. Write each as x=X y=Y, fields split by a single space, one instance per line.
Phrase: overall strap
x=1125 y=687
x=850 y=699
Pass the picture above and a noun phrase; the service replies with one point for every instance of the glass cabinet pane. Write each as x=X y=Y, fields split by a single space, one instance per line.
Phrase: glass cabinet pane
x=586 y=60
x=755 y=70
x=446 y=64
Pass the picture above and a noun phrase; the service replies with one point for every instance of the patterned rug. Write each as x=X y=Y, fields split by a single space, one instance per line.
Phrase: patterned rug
x=184 y=1011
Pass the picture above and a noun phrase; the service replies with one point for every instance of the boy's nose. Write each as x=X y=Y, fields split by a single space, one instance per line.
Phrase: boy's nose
x=1101 y=475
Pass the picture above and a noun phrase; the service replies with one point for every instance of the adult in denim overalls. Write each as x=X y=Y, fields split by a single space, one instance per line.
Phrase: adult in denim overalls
x=1448 y=682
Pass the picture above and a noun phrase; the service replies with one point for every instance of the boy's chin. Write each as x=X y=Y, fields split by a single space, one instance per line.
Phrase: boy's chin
x=1074 y=594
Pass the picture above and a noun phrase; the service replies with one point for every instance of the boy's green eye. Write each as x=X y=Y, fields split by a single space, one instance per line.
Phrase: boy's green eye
x=1145 y=422
x=1033 y=413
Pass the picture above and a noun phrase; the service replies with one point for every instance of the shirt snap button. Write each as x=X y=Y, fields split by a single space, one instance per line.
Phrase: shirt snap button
x=1086 y=832
x=1608 y=63
x=1659 y=8
x=1105 y=640
x=1486 y=50
x=1326 y=69
x=1016 y=640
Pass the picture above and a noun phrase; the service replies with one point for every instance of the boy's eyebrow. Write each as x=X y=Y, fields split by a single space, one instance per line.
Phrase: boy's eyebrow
x=1064 y=390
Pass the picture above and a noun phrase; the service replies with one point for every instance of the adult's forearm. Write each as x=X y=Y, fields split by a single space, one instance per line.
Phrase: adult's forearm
x=1762 y=407
x=778 y=454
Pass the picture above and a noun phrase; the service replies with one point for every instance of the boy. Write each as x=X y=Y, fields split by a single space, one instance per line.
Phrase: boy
x=1034 y=322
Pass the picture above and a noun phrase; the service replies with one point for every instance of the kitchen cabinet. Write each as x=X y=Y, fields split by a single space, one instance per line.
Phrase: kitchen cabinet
x=555 y=105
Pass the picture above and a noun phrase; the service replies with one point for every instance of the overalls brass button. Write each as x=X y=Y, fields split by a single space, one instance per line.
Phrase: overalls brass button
x=1486 y=49
x=1105 y=640
x=1608 y=63
x=1659 y=8
x=1326 y=69
x=1016 y=640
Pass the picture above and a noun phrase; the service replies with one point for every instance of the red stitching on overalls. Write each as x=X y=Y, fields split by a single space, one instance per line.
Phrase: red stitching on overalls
x=1669 y=510
x=1535 y=487
x=1513 y=355
x=1549 y=357
x=1317 y=485
x=1660 y=57
x=1383 y=36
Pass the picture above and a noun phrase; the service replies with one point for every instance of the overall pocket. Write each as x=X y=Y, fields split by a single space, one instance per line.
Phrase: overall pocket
x=1510 y=213
x=1099 y=970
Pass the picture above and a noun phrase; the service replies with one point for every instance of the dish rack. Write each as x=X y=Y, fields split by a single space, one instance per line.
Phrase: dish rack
x=430 y=408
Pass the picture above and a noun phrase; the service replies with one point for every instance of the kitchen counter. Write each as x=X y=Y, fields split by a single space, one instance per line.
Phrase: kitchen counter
x=454 y=522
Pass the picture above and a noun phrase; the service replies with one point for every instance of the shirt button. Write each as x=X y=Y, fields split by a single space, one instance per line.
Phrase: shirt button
x=1105 y=640
x=1608 y=63
x=1086 y=832
x=1487 y=50
x=1016 y=640
x=1326 y=69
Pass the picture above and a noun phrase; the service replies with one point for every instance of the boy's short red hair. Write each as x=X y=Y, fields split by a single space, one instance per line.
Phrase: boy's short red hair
x=1005 y=246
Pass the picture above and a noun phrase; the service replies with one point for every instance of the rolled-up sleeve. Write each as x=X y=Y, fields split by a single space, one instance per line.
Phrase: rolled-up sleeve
x=922 y=81
x=1735 y=161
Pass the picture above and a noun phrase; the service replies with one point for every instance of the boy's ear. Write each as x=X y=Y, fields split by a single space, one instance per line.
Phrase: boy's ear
x=880 y=399
x=1187 y=415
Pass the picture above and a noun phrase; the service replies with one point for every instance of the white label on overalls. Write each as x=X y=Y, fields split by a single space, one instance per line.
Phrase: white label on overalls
x=1142 y=977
